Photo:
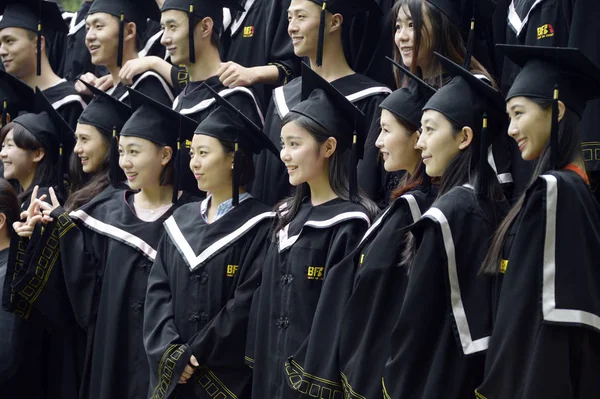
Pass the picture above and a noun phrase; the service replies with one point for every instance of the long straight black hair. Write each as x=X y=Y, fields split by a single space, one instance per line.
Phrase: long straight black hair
x=46 y=170
x=569 y=149
x=338 y=176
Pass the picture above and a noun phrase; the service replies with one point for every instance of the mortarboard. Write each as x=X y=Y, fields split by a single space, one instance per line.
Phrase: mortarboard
x=325 y=105
x=16 y=96
x=52 y=131
x=200 y=9
x=41 y=17
x=228 y=123
x=347 y=8
x=137 y=11
x=469 y=101
x=105 y=112
x=407 y=103
x=554 y=73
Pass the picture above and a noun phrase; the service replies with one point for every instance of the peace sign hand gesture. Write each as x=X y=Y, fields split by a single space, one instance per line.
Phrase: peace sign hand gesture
x=47 y=208
x=32 y=215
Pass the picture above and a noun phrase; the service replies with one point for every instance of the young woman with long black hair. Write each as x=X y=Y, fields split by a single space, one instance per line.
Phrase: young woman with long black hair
x=208 y=267
x=439 y=340
x=313 y=230
x=362 y=295
x=546 y=336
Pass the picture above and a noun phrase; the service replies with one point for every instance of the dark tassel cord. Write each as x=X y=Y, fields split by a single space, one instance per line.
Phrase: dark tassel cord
x=235 y=180
x=353 y=172
x=121 y=39
x=114 y=159
x=321 y=40
x=482 y=183
x=192 y=21
x=554 y=131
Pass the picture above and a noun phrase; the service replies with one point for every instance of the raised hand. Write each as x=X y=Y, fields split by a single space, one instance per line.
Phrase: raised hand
x=32 y=216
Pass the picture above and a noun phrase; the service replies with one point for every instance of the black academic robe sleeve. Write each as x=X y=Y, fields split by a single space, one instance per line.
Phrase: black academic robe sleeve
x=155 y=87
x=546 y=336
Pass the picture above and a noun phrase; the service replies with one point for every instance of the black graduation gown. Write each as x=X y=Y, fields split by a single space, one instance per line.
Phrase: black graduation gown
x=76 y=57
x=546 y=337
x=368 y=39
x=294 y=270
x=360 y=301
x=259 y=37
x=149 y=83
x=36 y=294
x=198 y=301
x=20 y=342
x=554 y=23
x=439 y=341
x=151 y=45
x=67 y=101
x=106 y=253
x=271 y=183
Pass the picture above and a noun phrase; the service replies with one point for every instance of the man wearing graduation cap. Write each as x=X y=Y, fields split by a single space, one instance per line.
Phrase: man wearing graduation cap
x=25 y=32
x=114 y=32
x=315 y=27
x=192 y=31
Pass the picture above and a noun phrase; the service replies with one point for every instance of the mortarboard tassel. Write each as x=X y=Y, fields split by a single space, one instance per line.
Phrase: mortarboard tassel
x=192 y=24
x=39 y=48
x=482 y=183
x=113 y=172
x=60 y=175
x=353 y=165
x=470 y=46
x=235 y=176
x=321 y=40
x=121 y=39
x=177 y=166
x=554 y=131
x=4 y=113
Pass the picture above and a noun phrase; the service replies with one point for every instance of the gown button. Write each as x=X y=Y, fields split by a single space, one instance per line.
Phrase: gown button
x=194 y=317
x=204 y=317
x=204 y=278
x=138 y=306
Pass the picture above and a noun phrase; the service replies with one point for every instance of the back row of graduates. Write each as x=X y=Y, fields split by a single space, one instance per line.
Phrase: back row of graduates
x=144 y=290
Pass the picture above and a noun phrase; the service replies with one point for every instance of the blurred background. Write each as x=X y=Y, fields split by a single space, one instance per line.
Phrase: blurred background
x=70 y=5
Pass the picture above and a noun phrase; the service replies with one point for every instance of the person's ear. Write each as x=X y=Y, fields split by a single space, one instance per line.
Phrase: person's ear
x=130 y=31
x=39 y=154
x=166 y=154
x=336 y=22
x=561 y=110
x=206 y=27
x=464 y=138
x=329 y=147
x=2 y=221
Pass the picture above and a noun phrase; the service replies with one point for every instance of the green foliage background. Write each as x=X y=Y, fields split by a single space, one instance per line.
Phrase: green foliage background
x=70 y=5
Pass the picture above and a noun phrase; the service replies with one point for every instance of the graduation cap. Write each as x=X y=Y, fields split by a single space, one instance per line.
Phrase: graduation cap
x=41 y=17
x=16 y=97
x=152 y=120
x=407 y=103
x=137 y=11
x=105 y=112
x=554 y=73
x=347 y=8
x=325 y=105
x=468 y=101
x=200 y=9
x=52 y=131
x=227 y=123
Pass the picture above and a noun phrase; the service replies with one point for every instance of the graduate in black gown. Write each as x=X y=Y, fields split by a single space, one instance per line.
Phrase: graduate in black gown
x=329 y=61
x=313 y=231
x=112 y=43
x=198 y=51
x=439 y=341
x=257 y=49
x=546 y=336
x=208 y=268
x=107 y=248
x=362 y=295
x=24 y=53
x=59 y=353
x=551 y=23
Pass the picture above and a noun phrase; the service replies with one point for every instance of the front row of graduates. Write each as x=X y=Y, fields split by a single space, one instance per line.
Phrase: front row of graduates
x=446 y=293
